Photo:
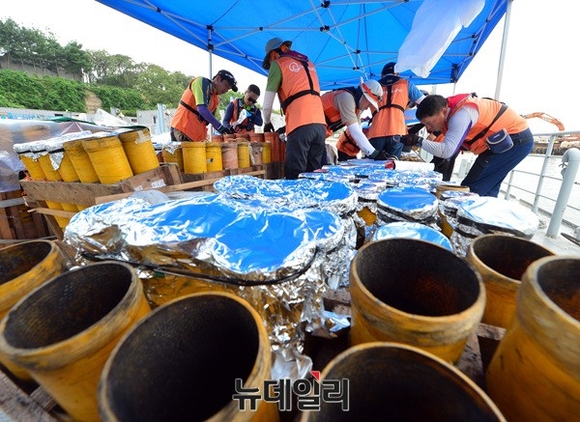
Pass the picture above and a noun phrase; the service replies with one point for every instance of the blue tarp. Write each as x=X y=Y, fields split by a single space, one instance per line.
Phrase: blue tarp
x=345 y=39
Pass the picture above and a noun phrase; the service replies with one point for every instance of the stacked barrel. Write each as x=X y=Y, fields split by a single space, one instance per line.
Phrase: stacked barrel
x=87 y=157
x=224 y=152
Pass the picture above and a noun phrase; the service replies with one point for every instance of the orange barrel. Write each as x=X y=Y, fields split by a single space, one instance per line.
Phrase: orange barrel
x=173 y=153
x=400 y=381
x=266 y=152
x=433 y=302
x=272 y=139
x=63 y=332
x=139 y=150
x=534 y=374
x=26 y=266
x=256 y=137
x=242 y=136
x=60 y=158
x=194 y=157
x=502 y=260
x=230 y=155
x=243 y=154
x=30 y=161
x=256 y=153
x=108 y=158
x=81 y=161
x=229 y=137
x=192 y=370
x=213 y=152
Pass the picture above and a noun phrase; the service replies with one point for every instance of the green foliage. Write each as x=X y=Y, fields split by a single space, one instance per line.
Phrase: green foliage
x=128 y=100
x=116 y=79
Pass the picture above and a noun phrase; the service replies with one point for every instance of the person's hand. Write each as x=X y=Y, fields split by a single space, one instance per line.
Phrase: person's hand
x=268 y=127
x=224 y=130
x=411 y=140
x=382 y=156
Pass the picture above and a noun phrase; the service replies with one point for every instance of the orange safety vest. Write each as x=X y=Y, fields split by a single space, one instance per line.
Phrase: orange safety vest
x=299 y=93
x=346 y=144
x=239 y=104
x=488 y=109
x=187 y=119
x=331 y=113
x=389 y=119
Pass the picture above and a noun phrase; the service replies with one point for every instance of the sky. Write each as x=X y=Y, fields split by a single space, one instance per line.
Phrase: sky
x=538 y=71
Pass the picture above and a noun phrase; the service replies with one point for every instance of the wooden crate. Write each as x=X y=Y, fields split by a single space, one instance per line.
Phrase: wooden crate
x=16 y=223
x=87 y=194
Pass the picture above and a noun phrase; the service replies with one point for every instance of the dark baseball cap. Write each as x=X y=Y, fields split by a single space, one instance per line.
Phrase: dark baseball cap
x=230 y=78
x=388 y=69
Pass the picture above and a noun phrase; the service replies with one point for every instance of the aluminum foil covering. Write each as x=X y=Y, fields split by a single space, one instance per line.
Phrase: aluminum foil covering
x=478 y=215
x=412 y=204
x=290 y=195
x=336 y=197
x=410 y=230
x=277 y=258
x=55 y=148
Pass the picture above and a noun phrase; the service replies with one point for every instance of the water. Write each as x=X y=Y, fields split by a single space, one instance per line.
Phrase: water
x=526 y=177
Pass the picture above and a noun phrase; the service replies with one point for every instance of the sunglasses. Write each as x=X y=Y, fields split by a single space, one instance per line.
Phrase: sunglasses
x=252 y=100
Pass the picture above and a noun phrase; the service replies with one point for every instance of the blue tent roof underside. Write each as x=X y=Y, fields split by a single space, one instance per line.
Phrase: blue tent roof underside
x=345 y=39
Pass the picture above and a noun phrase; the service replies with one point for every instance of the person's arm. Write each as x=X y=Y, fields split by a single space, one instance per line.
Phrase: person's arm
x=273 y=83
x=204 y=112
x=361 y=140
x=458 y=127
x=201 y=89
x=256 y=118
x=228 y=115
x=415 y=94
x=346 y=106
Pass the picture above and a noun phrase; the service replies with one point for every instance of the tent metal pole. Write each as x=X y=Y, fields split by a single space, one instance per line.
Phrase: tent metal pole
x=503 y=48
x=210 y=51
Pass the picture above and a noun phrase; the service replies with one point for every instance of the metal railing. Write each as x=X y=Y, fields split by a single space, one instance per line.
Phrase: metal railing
x=570 y=163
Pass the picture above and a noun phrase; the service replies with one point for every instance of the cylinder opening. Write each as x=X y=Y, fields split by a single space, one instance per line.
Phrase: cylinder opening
x=558 y=278
x=68 y=305
x=438 y=283
x=18 y=259
x=202 y=345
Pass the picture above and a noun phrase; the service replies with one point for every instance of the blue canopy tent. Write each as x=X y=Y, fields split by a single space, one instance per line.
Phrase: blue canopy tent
x=345 y=39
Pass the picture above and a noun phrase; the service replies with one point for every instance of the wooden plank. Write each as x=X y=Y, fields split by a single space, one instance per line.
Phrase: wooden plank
x=16 y=223
x=85 y=193
x=7 y=203
x=16 y=405
x=56 y=213
x=174 y=188
x=5 y=230
x=73 y=193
